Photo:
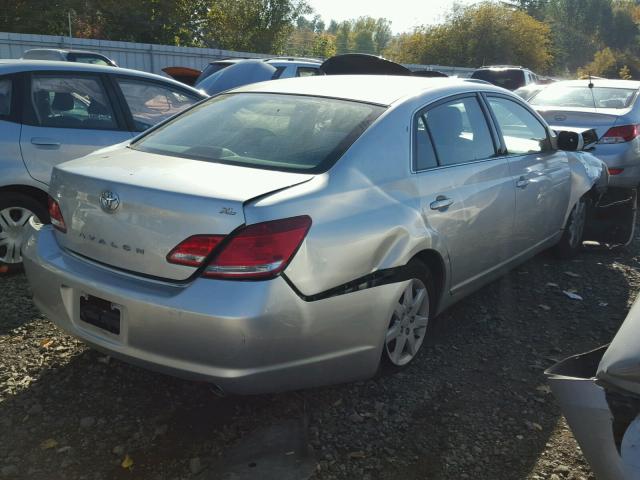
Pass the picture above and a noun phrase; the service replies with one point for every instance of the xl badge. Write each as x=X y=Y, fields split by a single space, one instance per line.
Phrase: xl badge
x=109 y=201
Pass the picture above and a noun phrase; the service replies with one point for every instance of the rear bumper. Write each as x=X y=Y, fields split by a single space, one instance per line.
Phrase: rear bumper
x=246 y=337
x=625 y=156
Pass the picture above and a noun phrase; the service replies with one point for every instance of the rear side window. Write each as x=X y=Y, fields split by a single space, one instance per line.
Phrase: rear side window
x=522 y=132
x=264 y=130
x=459 y=132
x=67 y=101
x=307 y=72
x=150 y=103
x=5 y=97
x=87 y=58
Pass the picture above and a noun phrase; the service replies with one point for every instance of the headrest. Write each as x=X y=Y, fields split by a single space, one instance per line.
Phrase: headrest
x=62 y=102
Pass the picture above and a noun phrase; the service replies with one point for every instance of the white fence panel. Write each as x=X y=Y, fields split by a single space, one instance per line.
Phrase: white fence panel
x=149 y=57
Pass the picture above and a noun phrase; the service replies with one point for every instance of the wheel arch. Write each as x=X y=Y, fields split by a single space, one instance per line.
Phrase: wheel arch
x=437 y=267
x=37 y=194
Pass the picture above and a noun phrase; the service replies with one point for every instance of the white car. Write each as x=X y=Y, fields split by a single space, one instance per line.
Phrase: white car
x=51 y=112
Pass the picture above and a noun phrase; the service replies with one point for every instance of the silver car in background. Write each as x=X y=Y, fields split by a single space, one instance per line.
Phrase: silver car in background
x=293 y=233
x=608 y=106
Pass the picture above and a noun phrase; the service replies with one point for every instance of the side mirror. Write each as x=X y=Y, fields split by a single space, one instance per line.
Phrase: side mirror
x=570 y=141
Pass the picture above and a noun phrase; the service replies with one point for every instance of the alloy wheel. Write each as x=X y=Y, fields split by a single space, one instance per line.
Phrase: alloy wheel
x=408 y=325
x=13 y=224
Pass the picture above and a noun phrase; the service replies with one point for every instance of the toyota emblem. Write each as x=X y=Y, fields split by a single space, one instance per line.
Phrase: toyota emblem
x=109 y=201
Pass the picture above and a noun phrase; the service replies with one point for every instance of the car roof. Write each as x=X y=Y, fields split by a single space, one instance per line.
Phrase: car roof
x=18 y=66
x=599 y=82
x=273 y=60
x=378 y=89
x=63 y=50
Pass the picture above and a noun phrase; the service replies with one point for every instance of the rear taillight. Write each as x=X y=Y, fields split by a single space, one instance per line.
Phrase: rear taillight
x=621 y=134
x=194 y=250
x=616 y=171
x=256 y=251
x=56 y=216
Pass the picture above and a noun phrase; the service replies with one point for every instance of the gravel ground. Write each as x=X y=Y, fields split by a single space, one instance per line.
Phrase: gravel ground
x=473 y=405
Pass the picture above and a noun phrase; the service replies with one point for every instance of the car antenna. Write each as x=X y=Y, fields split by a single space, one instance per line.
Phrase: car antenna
x=590 y=81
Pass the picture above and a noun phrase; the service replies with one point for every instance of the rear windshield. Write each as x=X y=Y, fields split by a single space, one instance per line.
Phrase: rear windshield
x=509 y=79
x=262 y=130
x=584 y=97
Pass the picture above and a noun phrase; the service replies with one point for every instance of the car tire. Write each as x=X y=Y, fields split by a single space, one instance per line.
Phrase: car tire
x=571 y=241
x=410 y=319
x=15 y=211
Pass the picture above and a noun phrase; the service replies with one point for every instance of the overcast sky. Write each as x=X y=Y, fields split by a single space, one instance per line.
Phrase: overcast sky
x=403 y=14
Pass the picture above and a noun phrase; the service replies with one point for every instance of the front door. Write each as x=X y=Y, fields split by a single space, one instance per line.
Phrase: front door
x=467 y=193
x=67 y=115
x=541 y=175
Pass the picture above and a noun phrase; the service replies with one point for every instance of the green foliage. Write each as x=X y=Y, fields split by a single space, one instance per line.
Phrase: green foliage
x=625 y=73
x=484 y=34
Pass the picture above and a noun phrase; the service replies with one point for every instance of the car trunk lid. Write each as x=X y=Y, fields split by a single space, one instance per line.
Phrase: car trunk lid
x=600 y=119
x=128 y=209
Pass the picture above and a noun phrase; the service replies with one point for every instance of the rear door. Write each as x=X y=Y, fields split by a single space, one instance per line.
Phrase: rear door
x=67 y=115
x=467 y=194
x=148 y=102
x=540 y=174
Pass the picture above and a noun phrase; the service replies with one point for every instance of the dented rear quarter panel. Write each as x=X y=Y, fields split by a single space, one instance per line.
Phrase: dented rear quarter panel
x=365 y=211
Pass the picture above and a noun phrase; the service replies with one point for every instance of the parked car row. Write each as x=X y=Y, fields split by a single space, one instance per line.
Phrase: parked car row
x=299 y=232
x=302 y=232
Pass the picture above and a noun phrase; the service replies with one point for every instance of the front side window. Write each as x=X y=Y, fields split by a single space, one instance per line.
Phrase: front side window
x=522 y=132
x=5 y=97
x=151 y=103
x=459 y=132
x=584 y=97
x=67 y=101
x=263 y=130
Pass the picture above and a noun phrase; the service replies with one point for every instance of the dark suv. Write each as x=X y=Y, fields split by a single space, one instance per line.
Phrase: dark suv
x=506 y=76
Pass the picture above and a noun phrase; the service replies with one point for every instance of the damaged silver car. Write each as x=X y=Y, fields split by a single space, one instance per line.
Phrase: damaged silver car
x=599 y=392
x=298 y=232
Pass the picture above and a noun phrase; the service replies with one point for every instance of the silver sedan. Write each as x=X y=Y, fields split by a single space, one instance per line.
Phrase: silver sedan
x=295 y=233
x=610 y=107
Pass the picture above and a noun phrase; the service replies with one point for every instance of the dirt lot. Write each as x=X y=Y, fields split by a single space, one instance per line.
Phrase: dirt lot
x=473 y=405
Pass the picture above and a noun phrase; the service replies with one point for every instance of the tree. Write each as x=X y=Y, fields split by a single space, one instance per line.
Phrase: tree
x=483 y=34
x=262 y=26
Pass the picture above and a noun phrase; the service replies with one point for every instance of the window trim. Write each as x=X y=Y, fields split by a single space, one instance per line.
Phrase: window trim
x=15 y=107
x=421 y=111
x=124 y=105
x=29 y=115
x=305 y=67
x=503 y=145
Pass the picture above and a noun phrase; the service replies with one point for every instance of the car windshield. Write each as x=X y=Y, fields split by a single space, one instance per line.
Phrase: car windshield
x=584 y=97
x=509 y=79
x=262 y=130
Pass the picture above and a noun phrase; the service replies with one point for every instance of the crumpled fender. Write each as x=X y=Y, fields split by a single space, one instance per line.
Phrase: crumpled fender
x=587 y=172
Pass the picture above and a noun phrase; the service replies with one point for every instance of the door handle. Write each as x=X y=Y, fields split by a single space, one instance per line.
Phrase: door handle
x=45 y=142
x=441 y=203
x=522 y=182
